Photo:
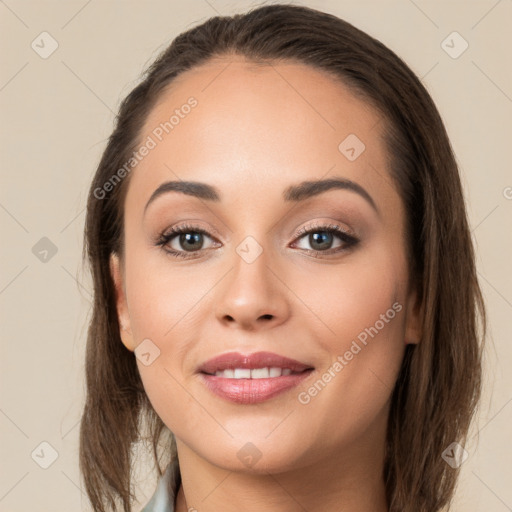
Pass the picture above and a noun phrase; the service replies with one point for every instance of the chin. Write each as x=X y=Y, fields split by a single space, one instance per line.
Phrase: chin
x=256 y=456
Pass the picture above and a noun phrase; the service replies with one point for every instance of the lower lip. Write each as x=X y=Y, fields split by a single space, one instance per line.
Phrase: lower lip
x=252 y=391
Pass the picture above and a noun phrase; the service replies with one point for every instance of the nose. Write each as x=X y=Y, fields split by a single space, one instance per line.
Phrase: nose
x=252 y=297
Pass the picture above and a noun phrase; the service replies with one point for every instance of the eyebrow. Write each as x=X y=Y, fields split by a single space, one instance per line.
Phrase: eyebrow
x=293 y=193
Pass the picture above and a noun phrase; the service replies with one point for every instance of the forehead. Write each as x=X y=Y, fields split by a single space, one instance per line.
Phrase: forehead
x=256 y=128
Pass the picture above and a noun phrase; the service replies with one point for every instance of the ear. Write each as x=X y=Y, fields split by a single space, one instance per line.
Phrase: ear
x=121 y=303
x=413 y=319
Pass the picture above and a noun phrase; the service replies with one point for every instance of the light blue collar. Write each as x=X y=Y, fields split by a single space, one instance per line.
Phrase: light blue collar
x=165 y=493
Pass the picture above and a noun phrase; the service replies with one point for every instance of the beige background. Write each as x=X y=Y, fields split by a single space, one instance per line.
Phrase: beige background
x=56 y=116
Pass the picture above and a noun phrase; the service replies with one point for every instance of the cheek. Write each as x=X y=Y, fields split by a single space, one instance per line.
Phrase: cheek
x=345 y=301
x=183 y=414
x=163 y=297
x=360 y=319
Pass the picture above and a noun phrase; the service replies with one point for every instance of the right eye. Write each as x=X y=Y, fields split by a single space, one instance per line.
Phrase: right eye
x=190 y=238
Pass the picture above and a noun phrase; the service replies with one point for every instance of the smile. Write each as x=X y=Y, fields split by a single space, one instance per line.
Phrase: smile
x=256 y=373
x=252 y=378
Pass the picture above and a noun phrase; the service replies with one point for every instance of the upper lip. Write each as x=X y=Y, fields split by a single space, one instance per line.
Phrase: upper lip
x=232 y=360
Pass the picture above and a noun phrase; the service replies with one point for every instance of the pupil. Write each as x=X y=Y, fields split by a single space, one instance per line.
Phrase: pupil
x=187 y=241
x=318 y=238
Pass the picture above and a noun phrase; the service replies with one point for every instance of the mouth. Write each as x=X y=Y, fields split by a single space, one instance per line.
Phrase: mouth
x=259 y=365
x=255 y=373
x=254 y=378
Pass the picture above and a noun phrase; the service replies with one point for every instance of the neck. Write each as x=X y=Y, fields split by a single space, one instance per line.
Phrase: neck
x=350 y=479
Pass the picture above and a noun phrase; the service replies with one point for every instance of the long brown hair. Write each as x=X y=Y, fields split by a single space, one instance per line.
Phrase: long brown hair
x=438 y=388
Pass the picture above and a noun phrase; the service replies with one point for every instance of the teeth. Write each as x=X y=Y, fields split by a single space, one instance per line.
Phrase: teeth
x=261 y=373
x=256 y=373
x=275 y=372
x=242 y=373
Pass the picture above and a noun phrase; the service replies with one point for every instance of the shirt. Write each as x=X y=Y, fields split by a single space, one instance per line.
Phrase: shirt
x=165 y=494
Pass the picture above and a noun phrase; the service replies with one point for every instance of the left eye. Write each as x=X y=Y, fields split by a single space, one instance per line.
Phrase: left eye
x=321 y=239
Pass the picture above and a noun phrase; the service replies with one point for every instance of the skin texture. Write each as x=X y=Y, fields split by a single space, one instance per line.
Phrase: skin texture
x=256 y=130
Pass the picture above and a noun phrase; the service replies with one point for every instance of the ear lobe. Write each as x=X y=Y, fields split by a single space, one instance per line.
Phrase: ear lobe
x=414 y=319
x=121 y=303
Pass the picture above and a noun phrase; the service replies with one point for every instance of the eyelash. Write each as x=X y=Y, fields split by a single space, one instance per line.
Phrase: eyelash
x=348 y=239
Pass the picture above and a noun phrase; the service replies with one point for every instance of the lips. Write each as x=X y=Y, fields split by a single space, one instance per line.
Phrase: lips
x=257 y=360
x=253 y=378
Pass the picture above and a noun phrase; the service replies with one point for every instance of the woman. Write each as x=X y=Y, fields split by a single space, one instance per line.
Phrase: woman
x=287 y=376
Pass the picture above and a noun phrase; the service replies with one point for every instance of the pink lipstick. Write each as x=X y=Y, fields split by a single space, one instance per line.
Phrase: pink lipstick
x=252 y=378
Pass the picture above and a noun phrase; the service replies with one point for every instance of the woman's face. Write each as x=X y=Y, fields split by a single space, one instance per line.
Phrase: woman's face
x=254 y=282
